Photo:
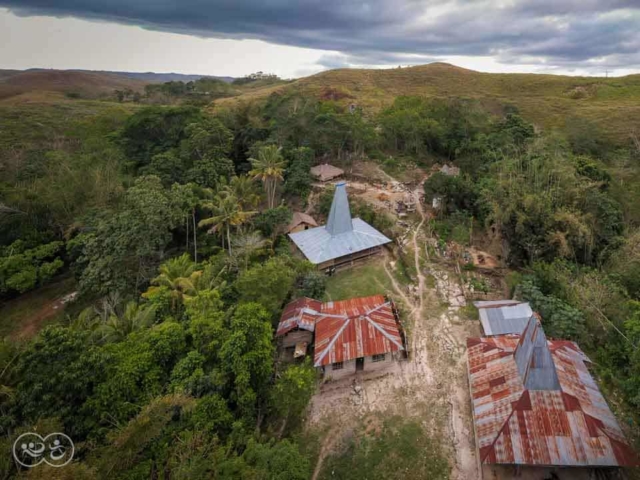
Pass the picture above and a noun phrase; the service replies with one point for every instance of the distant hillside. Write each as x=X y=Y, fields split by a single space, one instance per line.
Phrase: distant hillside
x=85 y=84
x=546 y=100
x=168 y=77
x=148 y=77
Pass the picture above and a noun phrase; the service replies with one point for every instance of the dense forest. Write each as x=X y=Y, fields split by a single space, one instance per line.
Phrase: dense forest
x=171 y=219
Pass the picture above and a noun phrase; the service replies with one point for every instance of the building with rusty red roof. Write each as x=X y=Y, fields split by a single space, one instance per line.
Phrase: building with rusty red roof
x=535 y=403
x=348 y=336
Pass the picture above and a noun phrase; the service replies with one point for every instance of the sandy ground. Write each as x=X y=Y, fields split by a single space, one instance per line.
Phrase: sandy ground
x=430 y=384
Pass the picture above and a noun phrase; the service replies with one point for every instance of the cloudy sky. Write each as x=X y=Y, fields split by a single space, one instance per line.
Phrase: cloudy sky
x=298 y=37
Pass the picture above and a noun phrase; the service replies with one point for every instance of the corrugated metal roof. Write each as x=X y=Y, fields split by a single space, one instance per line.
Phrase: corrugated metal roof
x=568 y=426
x=504 y=316
x=300 y=313
x=341 y=236
x=340 y=214
x=533 y=359
x=299 y=217
x=359 y=327
x=344 y=330
x=326 y=172
x=319 y=246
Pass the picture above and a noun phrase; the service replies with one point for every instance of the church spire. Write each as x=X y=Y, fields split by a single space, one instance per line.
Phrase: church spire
x=534 y=360
x=340 y=215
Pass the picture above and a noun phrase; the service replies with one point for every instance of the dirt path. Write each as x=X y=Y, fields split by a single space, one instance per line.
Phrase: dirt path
x=432 y=383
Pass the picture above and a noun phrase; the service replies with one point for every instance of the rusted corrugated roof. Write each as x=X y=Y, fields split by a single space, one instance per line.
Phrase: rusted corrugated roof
x=359 y=327
x=355 y=328
x=300 y=313
x=569 y=426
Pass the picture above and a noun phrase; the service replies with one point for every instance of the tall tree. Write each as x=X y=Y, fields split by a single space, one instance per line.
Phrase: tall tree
x=179 y=275
x=247 y=355
x=227 y=212
x=269 y=169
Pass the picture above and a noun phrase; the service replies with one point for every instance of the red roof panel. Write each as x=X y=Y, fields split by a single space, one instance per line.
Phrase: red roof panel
x=344 y=330
x=354 y=328
x=572 y=426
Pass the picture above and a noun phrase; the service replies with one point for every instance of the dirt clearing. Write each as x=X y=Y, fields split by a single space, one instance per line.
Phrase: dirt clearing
x=431 y=385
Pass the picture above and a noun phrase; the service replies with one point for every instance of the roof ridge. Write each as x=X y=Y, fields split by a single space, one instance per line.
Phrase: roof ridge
x=534 y=359
x=355 y=230
x=382 y=331
x=332 y=342
x=513 y=410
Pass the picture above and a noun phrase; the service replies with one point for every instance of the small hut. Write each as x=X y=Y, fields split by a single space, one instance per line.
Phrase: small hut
x=301 y=221
x=326 y=172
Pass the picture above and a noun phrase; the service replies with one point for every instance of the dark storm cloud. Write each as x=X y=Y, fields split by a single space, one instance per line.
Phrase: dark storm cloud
x=574 y=33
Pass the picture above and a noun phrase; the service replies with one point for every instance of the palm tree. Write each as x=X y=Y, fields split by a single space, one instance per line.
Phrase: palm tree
x=268 y=168
x=135 y=317
x=179 y=275
x=227 y=212
x=248 y=244
x=244 y=189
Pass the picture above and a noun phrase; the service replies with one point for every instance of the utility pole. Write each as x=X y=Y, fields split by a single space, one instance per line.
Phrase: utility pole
x=606 y=73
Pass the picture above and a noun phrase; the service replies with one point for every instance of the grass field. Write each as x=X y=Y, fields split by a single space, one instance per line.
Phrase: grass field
x=399 y=448
x=546 y=100
x=362 y=281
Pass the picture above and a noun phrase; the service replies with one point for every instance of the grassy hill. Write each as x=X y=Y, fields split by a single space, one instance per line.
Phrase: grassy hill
x=84 y=84
x=546 y=100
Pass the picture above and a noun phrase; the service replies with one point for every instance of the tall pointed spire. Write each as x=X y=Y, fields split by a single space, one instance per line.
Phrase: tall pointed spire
x=533 y=358
x=340 y=215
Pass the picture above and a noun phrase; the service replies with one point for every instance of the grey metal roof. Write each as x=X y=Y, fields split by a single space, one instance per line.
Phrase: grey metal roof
x=341 y=236
x=533 y=359
x=505 y=317
x=319 y=246
x=340 y=214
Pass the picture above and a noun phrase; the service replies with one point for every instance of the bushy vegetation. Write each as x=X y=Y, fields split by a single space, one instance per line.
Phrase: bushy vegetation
x=400 y=450
x=171 y=219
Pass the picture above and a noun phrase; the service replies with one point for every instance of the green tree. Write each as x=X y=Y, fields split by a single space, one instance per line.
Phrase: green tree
x=248 y=245
x=559 y=319
x=54 y=380
x=180 y=276
x=134 y=317
x=244 y=189
x=136 y=371
x=247 y=356
x=227 y=212
x=268 y=284
x=273 y=221
x=298 y=176
x=292 y=391
x=206 y=147
x=276 y=461
x=154 y=130
x=269 y=167
x=312 y=284
x=21 y=269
